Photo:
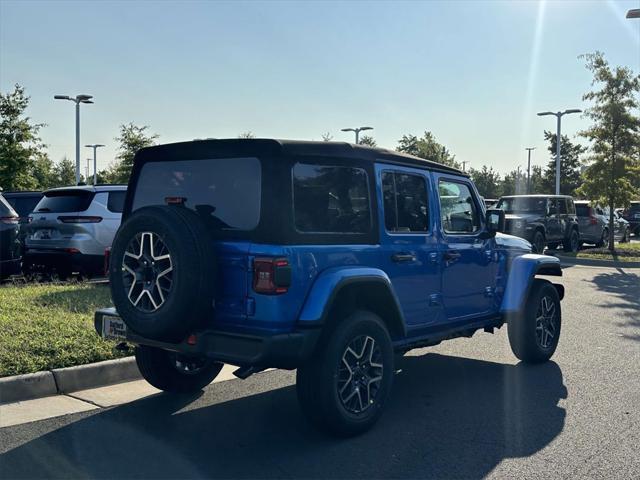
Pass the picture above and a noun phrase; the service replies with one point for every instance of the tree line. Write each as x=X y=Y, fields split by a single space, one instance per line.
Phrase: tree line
x=608 y=171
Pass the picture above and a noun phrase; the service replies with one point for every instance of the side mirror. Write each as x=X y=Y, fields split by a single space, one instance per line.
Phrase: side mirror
x=495 y=220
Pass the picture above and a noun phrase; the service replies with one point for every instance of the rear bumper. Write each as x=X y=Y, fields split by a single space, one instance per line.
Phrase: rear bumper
x=61 y=260
x=283 y=350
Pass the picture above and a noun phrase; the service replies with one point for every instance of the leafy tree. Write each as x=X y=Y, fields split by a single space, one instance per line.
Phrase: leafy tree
x=537 y=180
x=44 y=171
x=131 y=139
x=20 y=145
x=615 y=136
x=428 y=148
x=64 y=173
x=488 y=181
x=514 y=183
x=570 y=164
x=247 y=134
x=368 y=141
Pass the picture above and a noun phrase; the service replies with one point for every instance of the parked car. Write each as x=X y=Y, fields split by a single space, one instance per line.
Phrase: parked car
x=490 y=202
x=317 y=256
x=10 y=251
x=543 y=220
x=632 y=215
x=593 y=222
x=71 y=227
x=23 y=203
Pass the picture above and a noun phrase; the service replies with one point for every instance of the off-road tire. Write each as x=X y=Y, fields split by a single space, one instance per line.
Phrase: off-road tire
x=538 y=242
x=604 y=239
x=189 y=301
x=572 y=244
x=159 y=368
x=522 y=327
x=319 y=380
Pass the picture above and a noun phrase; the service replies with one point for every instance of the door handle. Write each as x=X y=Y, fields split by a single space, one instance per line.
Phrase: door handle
x=403 y=257
x=451 y=255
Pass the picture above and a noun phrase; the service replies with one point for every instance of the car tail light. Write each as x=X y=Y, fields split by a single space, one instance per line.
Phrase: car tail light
x=107 y=257
x=271 y=276
x=79 y=219
x=72 y=250
x=593 y=220
x=10 y=220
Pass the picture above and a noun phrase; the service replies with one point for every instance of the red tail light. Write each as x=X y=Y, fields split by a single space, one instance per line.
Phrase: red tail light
x=593 y=220
x=10 y=220
x=79 y=219
x=271 y=276
x=107 y=256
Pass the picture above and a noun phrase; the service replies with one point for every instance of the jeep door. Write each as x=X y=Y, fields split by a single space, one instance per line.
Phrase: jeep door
x=409 y=247
x=554 y=225
x=468 y=266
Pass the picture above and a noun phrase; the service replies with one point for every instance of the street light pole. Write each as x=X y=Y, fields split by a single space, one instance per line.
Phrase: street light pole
x=558 y=116
x=95 y=146
x=78 y=99
x=357 y=131
x=528 y=149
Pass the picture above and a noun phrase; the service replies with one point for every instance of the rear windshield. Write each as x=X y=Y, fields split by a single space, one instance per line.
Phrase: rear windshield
x=64 y=201
x=523 y=205
x=225 y=190
x=24 y=204
x=582 y=210
x=5 y=208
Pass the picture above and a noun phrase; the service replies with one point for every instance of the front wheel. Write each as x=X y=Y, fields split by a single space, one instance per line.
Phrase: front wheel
x=173 y=372
x=537 y=242
x=344 y=387
x=534 y=333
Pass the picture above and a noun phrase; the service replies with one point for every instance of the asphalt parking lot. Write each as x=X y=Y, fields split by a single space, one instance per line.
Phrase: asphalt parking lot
x=464 y=409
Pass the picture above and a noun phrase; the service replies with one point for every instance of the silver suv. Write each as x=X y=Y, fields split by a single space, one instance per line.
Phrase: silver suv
x=71 y=227
x=593 y=222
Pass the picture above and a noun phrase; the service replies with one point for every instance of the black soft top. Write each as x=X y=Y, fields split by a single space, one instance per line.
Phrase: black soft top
x=263 y=146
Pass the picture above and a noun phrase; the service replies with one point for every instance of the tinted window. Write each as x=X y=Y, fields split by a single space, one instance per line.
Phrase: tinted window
x=224 y=191
x=458 y=210
x=563 y=205
x=24 y=204
x=64 y=201
x=582 y=210
x=523 y=204
x=405 y=202
x=115 y=203
x=329 y=199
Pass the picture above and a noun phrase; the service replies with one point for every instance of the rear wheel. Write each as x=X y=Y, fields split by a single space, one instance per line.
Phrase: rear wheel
x=572 y=243
x=534 y=333
x=344 y=387
x=604 y=240
x=173 y=372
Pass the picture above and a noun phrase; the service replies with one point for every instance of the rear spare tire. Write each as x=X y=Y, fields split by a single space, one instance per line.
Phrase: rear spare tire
x=162 y=272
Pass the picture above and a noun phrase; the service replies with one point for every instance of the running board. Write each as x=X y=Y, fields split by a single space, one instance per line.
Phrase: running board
x=245 y=372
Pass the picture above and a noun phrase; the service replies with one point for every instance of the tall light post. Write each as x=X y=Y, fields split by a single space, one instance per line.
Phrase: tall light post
x=78 y=99
x=559 y=115
x=95 y=146
x=357 y=131
x=528 y=149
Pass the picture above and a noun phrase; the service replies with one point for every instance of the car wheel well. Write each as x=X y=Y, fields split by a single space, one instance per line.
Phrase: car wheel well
x=373 y=296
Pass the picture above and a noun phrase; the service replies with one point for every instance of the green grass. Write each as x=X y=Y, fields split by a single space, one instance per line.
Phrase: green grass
x=625 y=252
x=45 y=326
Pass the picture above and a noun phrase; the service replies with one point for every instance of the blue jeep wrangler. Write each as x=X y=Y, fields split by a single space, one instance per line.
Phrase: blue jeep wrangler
x=323 y=257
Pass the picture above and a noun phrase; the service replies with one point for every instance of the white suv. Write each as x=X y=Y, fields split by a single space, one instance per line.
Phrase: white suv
x=71 y=227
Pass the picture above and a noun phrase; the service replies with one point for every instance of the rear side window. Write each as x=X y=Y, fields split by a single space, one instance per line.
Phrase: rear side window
x=458 y=210
x=330 y=199
x=405 y=202
x=115 y=202
x=64 y=201
x=225 y=192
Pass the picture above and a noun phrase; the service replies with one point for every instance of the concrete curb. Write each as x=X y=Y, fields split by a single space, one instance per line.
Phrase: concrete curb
x=589 y=262
x=67 y=380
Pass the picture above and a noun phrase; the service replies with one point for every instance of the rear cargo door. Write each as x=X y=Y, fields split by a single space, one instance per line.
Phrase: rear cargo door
x=231 y=303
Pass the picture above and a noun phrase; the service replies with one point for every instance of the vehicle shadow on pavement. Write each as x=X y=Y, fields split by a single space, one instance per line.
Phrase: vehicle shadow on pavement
x=624 y=288
x=447 y=417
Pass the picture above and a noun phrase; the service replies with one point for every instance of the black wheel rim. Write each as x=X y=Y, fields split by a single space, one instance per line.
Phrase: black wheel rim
x=147 y=272
x=546 y=322
x=188 y=365
x=360 y=374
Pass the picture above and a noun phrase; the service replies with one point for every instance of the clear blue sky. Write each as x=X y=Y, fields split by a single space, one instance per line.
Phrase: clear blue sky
x=473 y=72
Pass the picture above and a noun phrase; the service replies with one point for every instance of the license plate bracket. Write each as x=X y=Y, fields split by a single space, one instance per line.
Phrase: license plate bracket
x=113 y=328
